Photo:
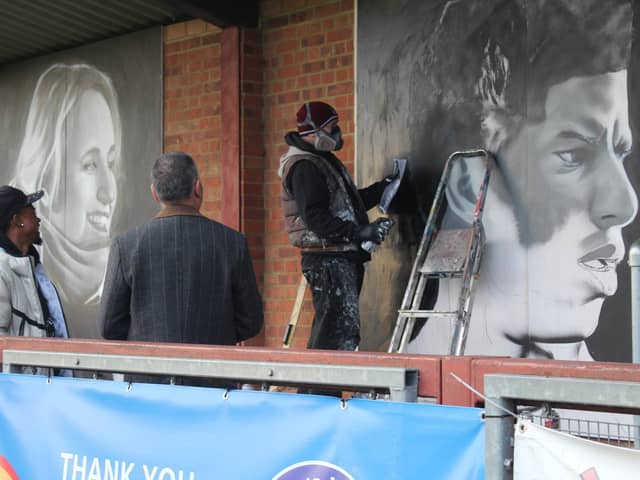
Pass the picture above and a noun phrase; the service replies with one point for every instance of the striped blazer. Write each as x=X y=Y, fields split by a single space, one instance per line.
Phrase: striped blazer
x=180 y=277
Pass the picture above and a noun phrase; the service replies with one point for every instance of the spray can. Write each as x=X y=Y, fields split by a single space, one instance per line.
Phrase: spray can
x=385 y=224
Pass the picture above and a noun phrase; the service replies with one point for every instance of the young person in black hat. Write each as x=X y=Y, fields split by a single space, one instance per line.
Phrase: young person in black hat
x=29 y=303
x=326 y=217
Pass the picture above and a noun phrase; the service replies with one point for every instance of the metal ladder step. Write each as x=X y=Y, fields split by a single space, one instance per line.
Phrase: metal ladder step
x=426 y=313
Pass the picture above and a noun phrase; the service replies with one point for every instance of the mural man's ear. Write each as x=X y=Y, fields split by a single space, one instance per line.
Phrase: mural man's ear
x=463 y=187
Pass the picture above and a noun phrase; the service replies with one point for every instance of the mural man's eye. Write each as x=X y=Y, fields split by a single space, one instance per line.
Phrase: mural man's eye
x=89 y=166
x=570 y=159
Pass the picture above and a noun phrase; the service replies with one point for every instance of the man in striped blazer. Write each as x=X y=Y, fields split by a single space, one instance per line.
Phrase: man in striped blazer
x=180 y=277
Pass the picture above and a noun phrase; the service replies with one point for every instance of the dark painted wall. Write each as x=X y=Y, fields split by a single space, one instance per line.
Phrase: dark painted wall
x=549 y=87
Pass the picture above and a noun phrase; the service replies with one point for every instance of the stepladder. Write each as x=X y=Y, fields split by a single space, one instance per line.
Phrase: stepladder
x=450 y=250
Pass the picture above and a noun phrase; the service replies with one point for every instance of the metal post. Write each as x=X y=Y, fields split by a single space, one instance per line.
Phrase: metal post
x=634 y=266
x=499 y=430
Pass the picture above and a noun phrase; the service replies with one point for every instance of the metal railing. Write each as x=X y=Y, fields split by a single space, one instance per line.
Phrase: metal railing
x=507 y=382
x=400 y=383
x=436 y=374
x=506 y=392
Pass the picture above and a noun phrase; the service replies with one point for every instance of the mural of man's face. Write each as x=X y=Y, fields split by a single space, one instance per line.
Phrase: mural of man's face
x=91 y=190
x=560 y=234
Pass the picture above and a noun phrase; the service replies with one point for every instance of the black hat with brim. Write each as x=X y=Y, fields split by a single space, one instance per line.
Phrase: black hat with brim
x=12 y=200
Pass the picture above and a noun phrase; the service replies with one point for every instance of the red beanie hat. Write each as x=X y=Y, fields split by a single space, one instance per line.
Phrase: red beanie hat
x=313 y=116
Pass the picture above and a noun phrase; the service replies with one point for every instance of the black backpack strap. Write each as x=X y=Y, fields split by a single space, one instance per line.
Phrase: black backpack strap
x=47 y=327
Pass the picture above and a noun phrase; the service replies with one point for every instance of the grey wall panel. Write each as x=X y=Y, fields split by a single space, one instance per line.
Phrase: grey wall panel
x=85 y=125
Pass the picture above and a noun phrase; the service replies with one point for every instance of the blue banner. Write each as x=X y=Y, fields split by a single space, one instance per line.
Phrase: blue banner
x=81 y=429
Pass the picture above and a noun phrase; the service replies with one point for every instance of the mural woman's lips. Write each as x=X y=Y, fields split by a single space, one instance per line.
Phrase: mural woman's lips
x=99 y=220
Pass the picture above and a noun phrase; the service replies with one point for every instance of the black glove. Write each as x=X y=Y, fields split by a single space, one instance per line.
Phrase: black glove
x=375 y=232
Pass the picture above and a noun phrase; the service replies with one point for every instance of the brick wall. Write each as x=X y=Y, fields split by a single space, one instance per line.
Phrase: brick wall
x=308 y=55
x=303 y=51
x=192 y=120
x=252 y=148
x=195 y=122
x=252 y=192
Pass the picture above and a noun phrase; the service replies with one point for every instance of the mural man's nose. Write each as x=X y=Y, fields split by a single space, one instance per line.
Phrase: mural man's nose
x=614 y=202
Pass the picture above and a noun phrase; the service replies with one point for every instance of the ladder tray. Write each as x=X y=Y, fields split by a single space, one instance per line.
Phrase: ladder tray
x=448 y=252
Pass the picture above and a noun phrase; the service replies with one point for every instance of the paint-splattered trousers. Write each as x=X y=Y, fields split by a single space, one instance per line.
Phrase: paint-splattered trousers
x=335 y=286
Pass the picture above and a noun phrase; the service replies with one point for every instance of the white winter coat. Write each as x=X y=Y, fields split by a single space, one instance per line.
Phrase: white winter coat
x=18 y=290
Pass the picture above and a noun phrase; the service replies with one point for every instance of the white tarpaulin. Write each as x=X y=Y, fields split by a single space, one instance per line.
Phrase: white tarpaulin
x=542 y=453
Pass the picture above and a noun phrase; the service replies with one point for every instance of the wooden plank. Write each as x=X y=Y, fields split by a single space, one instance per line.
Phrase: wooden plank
x=295 y=314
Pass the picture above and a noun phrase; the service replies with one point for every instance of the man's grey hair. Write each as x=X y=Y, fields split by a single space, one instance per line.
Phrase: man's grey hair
x=173 y=176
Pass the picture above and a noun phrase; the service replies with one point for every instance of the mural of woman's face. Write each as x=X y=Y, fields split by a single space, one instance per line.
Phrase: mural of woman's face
x=563 y=239
x=90 y=191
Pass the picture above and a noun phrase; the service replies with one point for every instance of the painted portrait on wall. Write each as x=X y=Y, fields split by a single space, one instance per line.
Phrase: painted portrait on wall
x=84 y=125
x=547 y=87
